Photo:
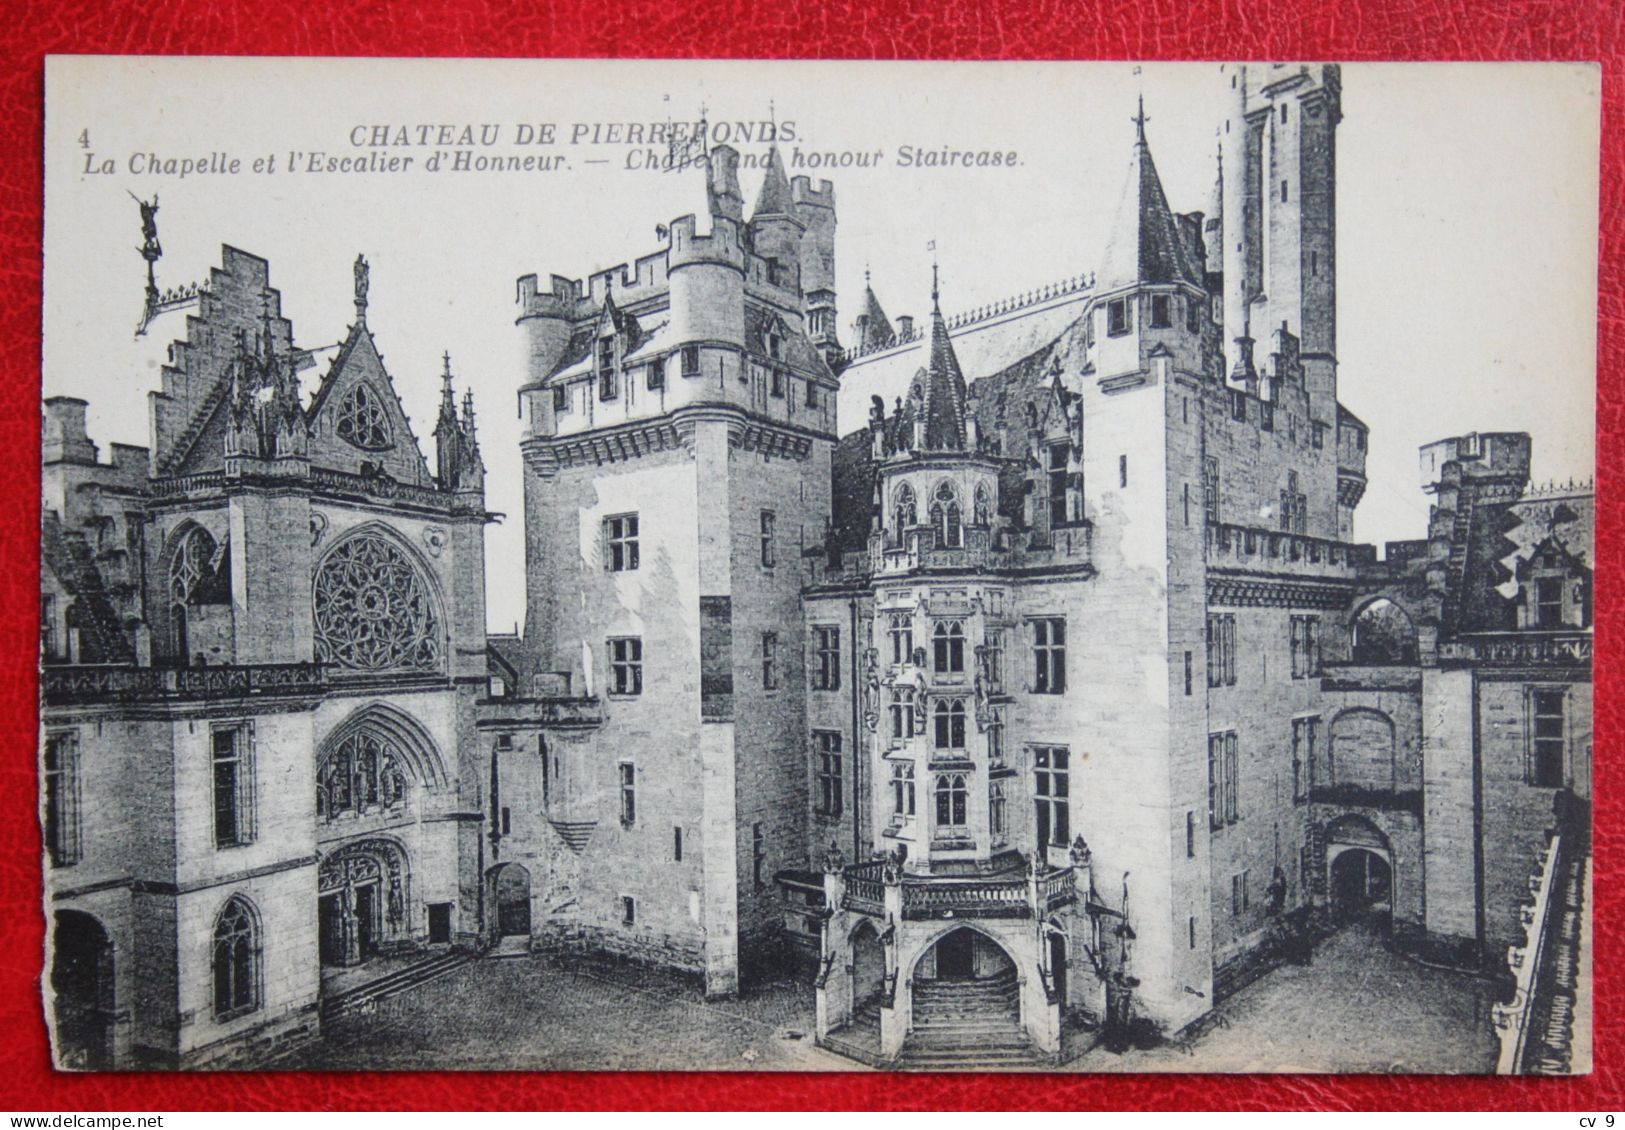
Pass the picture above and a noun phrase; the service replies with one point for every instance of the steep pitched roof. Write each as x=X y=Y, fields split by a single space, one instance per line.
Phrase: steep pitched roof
x=774 y=197
x=877 y=331
x=941 y=388
x=68 y=557
x=1145 y=244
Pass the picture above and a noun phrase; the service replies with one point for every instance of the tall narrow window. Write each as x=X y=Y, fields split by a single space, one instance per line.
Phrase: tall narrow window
x=902 y=715
x=949 y=717
x=945 y=518
x=629 y=793
x=677 y=843
x=900 y=630
x=62 y=799
x=828 y=771
x=1057 y=484
x=1187 y=673
x=998 y=811
x=1210 y=489
x=1549 y=602
x=1049 y=655
x=902 y=789
x=1221 y=649
x=1549 y=746
x=767 y=523
x=1122 y=471
x=629 y=910
x=1051 y=794
x=1190 y=835
x=948 y=647
x=826 y=658
x=951 y=795
x=626 y=665
x=770 y=661
x=233 y=786
x=758 y=857
x=561 y=398
x=236 y=960
x=691 y=360
x=1232 y=779
x=608 y=386
x=621 y=543
x=904 y=509
x=657 y=374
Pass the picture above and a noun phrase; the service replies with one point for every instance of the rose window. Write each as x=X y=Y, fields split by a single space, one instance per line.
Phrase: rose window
x=362 y=420
x=373 y=610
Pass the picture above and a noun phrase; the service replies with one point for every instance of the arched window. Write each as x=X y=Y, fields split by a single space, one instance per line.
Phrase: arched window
x=374 y=611
x=199 y=575
x=236 y=960
x=945 y=518
x=948 y=647
x=904 y=511
x=362 y=774
x=1384 y=634
x=362 y=421
x=951 y=800
x=949 y=716
x=983 y=514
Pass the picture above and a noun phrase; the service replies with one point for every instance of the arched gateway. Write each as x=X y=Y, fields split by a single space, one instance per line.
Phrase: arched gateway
x=363 y=900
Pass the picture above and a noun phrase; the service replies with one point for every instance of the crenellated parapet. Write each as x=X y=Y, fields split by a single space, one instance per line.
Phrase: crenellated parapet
x=723 y=247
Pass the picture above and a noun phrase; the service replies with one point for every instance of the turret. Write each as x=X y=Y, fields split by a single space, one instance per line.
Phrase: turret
x=775 y=225
x=722 y=184
x=706 y=275
x=65 y=439
x=1149 y=291
x=546 y=317
x=1278 y=160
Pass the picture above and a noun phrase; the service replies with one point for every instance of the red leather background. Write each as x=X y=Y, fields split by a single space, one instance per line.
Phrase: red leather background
x=1172 y=29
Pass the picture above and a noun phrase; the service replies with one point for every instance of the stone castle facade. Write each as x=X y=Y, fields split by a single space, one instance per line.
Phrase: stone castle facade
x=1013 y=675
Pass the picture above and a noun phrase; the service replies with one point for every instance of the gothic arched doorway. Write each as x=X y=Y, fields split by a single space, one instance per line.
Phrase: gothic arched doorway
x=362 y=901
x=511 y=886
x=82 y=982
x=964 y=987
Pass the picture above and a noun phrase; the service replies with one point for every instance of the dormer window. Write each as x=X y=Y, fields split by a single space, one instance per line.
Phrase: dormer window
x=608 y=385
x=1117 y=317
x=775 y=346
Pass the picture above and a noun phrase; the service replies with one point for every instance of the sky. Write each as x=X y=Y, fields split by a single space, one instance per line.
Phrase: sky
x=1467 y=219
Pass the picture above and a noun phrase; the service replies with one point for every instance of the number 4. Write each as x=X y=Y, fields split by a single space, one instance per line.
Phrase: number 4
x=84 y=139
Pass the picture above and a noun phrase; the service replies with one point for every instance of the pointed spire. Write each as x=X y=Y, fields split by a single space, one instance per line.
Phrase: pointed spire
x=774 y=197
x=1145 y=244
x=942 y=383
x=874 y=329
x=448 y=401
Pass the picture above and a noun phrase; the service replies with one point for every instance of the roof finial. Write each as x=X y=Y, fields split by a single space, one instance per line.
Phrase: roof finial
x=932 y=247
x=362 y=272
x=445 y=373
x=1139 y=123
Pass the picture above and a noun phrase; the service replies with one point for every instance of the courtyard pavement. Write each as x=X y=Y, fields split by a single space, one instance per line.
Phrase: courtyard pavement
x=1357 y=1007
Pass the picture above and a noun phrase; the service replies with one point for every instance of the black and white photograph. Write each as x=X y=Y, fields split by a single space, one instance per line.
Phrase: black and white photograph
x=796 y=566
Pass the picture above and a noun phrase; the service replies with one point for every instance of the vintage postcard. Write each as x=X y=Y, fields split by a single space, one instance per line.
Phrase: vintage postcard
x=818 y=566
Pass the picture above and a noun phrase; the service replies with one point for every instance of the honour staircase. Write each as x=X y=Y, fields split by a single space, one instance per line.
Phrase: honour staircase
x=967 y=1025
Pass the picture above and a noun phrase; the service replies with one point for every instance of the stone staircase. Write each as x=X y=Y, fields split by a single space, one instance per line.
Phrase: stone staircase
x=365 y=996
x=967 y=1025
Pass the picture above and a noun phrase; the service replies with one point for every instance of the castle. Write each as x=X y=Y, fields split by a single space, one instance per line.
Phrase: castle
x=1008 y=675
